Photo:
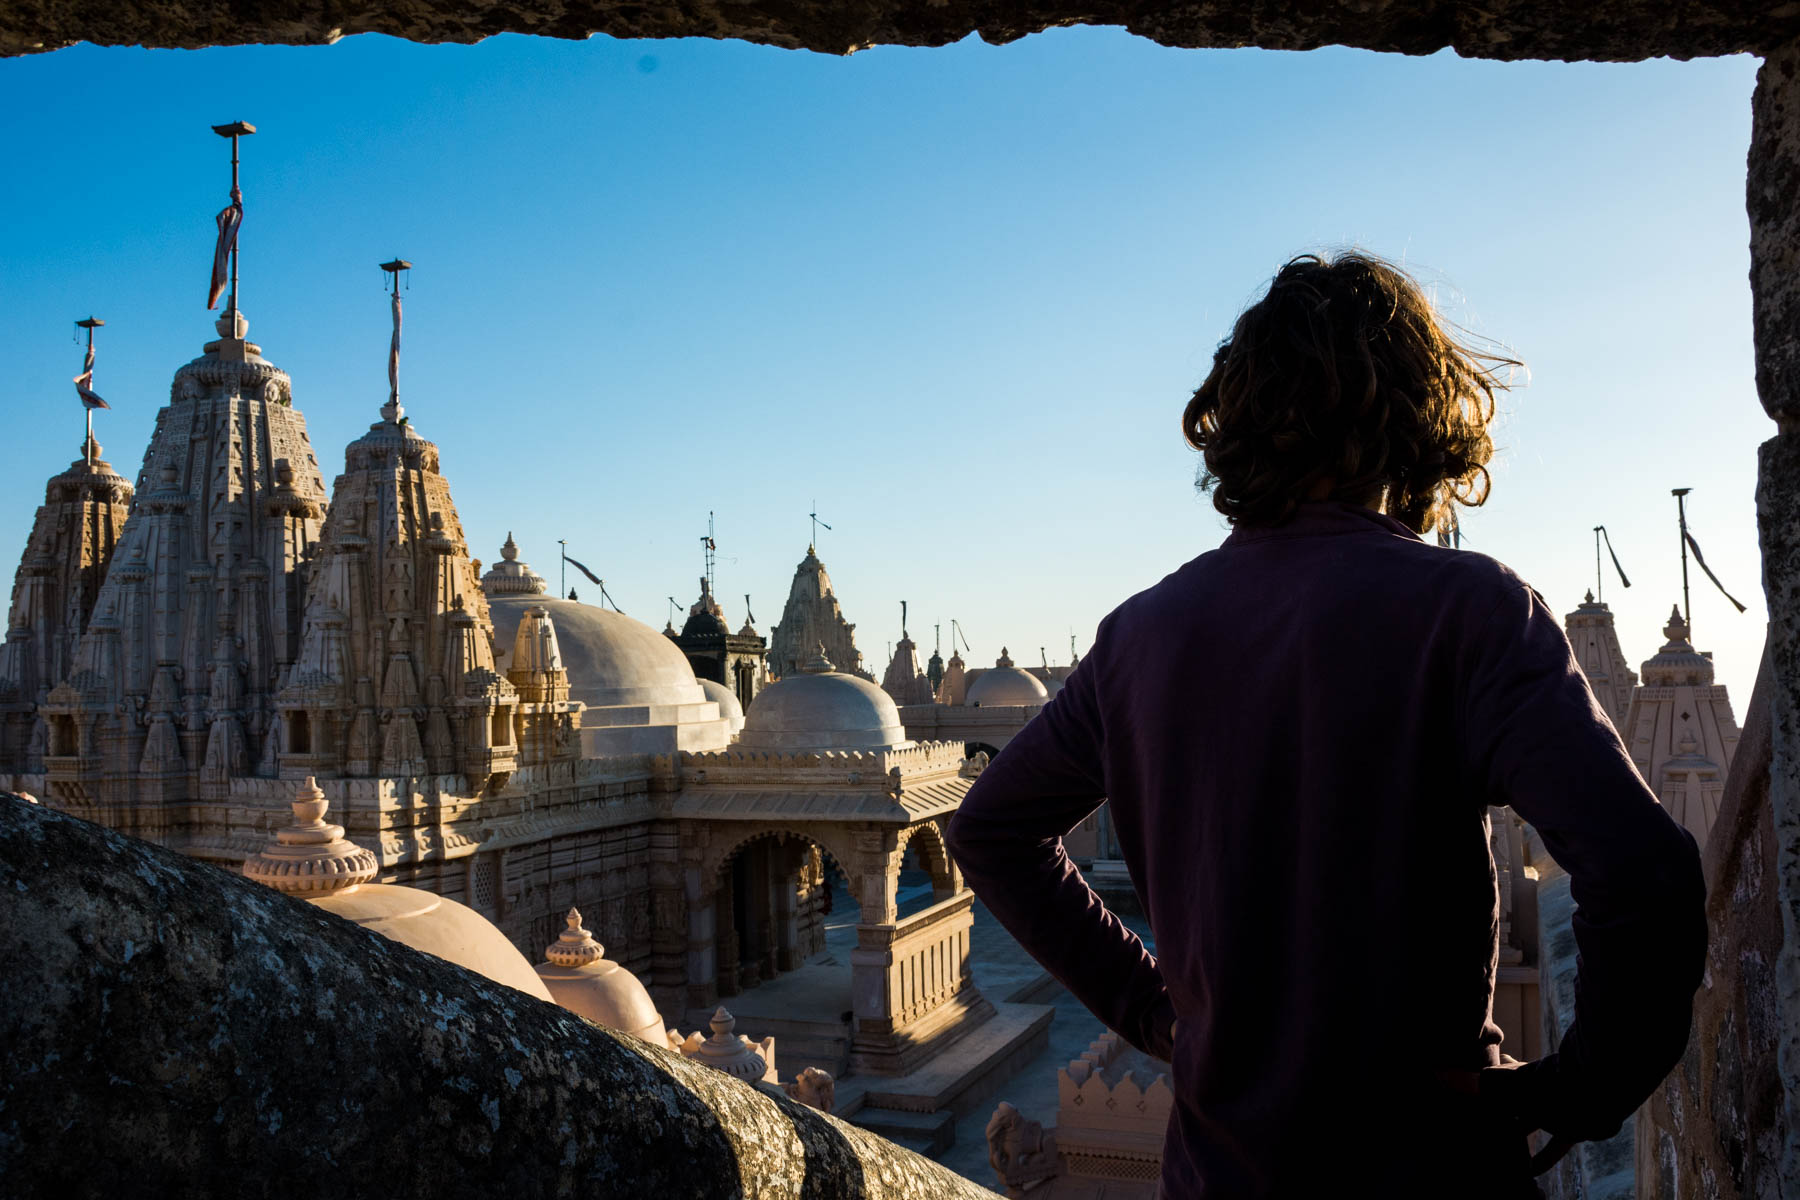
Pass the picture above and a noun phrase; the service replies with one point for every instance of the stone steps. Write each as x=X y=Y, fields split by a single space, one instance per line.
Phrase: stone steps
x=929 y=1134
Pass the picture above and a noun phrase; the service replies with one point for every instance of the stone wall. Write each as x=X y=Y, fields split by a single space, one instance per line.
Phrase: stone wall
x=1712 y=1128
x=1505 y=29
x=167 y=1028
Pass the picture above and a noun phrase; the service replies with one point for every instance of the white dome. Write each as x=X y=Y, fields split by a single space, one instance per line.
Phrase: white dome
x=611 y=659
x=429 y=922
x=1008 y=686
x=727 y=700
x=822 y=710
x=729 y=707
x=583 y=980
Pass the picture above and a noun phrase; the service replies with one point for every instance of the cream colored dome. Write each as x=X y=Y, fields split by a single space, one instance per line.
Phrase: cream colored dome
x=611 y=659
x=1005 y=686
x=727 y=700
x=583 y=980
x=822 y=709
x=431 y=923
x=312 y=860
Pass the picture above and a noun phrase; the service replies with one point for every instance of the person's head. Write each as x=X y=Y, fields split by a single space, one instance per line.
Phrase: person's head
x=1342 y=383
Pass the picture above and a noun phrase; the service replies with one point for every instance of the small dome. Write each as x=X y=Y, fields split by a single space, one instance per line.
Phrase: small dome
x=583 y=980
x=312 y=860
x=611 y=659
x=729 y=1051
x=429 y=922
x=729 y=708
x=510 y=576
x=1005 y=686
x=822 y=709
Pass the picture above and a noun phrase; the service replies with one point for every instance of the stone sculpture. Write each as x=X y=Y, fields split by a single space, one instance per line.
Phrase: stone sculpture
x=814 y=1088
x=1021 y=1153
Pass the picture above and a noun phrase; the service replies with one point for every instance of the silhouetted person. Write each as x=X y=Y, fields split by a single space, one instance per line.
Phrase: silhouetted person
x=1300 y=734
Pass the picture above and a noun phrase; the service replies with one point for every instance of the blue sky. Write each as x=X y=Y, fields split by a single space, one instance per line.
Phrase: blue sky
x=957 y=296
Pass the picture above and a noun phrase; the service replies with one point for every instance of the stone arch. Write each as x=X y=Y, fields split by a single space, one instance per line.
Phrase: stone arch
x=927 y=843
x=768 y=893
x=713 y=869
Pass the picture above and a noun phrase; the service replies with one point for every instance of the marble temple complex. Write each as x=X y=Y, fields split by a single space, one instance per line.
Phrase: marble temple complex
x=515 y=776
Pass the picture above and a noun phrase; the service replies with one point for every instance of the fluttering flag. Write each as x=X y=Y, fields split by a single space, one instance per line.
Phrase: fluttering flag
x=1699 y=558
x=394 y=351
x=593 y=578
x=1601 y=530
x=230 y=218
x=84 y=384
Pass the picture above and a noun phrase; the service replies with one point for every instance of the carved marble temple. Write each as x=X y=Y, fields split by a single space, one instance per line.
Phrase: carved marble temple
x=517 y=776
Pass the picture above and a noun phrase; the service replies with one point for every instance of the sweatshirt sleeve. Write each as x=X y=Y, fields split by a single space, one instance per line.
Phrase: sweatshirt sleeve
x=1541 y=744
x=1007 y=838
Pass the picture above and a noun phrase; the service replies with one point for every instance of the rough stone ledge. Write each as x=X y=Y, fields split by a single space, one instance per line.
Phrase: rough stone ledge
x=1504 y=29
x=167 y=1028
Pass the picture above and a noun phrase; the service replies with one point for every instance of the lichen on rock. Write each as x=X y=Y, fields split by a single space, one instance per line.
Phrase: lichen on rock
x=169 y=1028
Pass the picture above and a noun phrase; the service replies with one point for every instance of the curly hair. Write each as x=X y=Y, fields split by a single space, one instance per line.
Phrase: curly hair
x=1342 y=382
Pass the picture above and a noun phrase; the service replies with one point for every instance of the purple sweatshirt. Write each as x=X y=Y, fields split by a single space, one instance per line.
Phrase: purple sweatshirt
x=1300 y=734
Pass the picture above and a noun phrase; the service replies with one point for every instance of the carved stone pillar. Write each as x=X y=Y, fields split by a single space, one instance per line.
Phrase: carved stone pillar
x=791 y=894
x=702 y=939
x=726 y=939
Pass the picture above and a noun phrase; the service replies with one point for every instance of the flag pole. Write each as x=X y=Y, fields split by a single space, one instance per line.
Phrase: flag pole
x=1687 y=613
x=394 y=268
x=87 y=447
x=234 y=131
x=1599 y=579
x=564 y=543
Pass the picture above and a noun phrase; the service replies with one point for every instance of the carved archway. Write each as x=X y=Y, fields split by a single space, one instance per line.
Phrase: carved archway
x=768 y=894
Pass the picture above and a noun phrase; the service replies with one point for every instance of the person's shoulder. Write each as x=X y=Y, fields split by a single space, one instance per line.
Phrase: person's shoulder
x=1488 y=595
x=1171 y=589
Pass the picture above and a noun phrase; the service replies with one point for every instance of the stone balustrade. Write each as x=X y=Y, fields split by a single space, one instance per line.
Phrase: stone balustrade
x=910 y=982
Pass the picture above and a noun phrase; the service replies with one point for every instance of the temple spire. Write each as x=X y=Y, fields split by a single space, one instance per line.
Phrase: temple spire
x=392 y=411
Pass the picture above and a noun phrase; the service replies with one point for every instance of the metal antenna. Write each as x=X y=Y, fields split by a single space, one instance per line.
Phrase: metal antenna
x=84 y=383
x=710 y=547
x=812 y=547
x=903 y=619
x=672 y=607
x=1687 y=614
x=563 y=543
x=1045 y=658
x=234 y=131
x=937 y=640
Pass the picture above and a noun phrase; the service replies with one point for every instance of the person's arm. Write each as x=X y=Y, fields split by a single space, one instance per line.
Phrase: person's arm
x=1007 y=838
x=1543 y=746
